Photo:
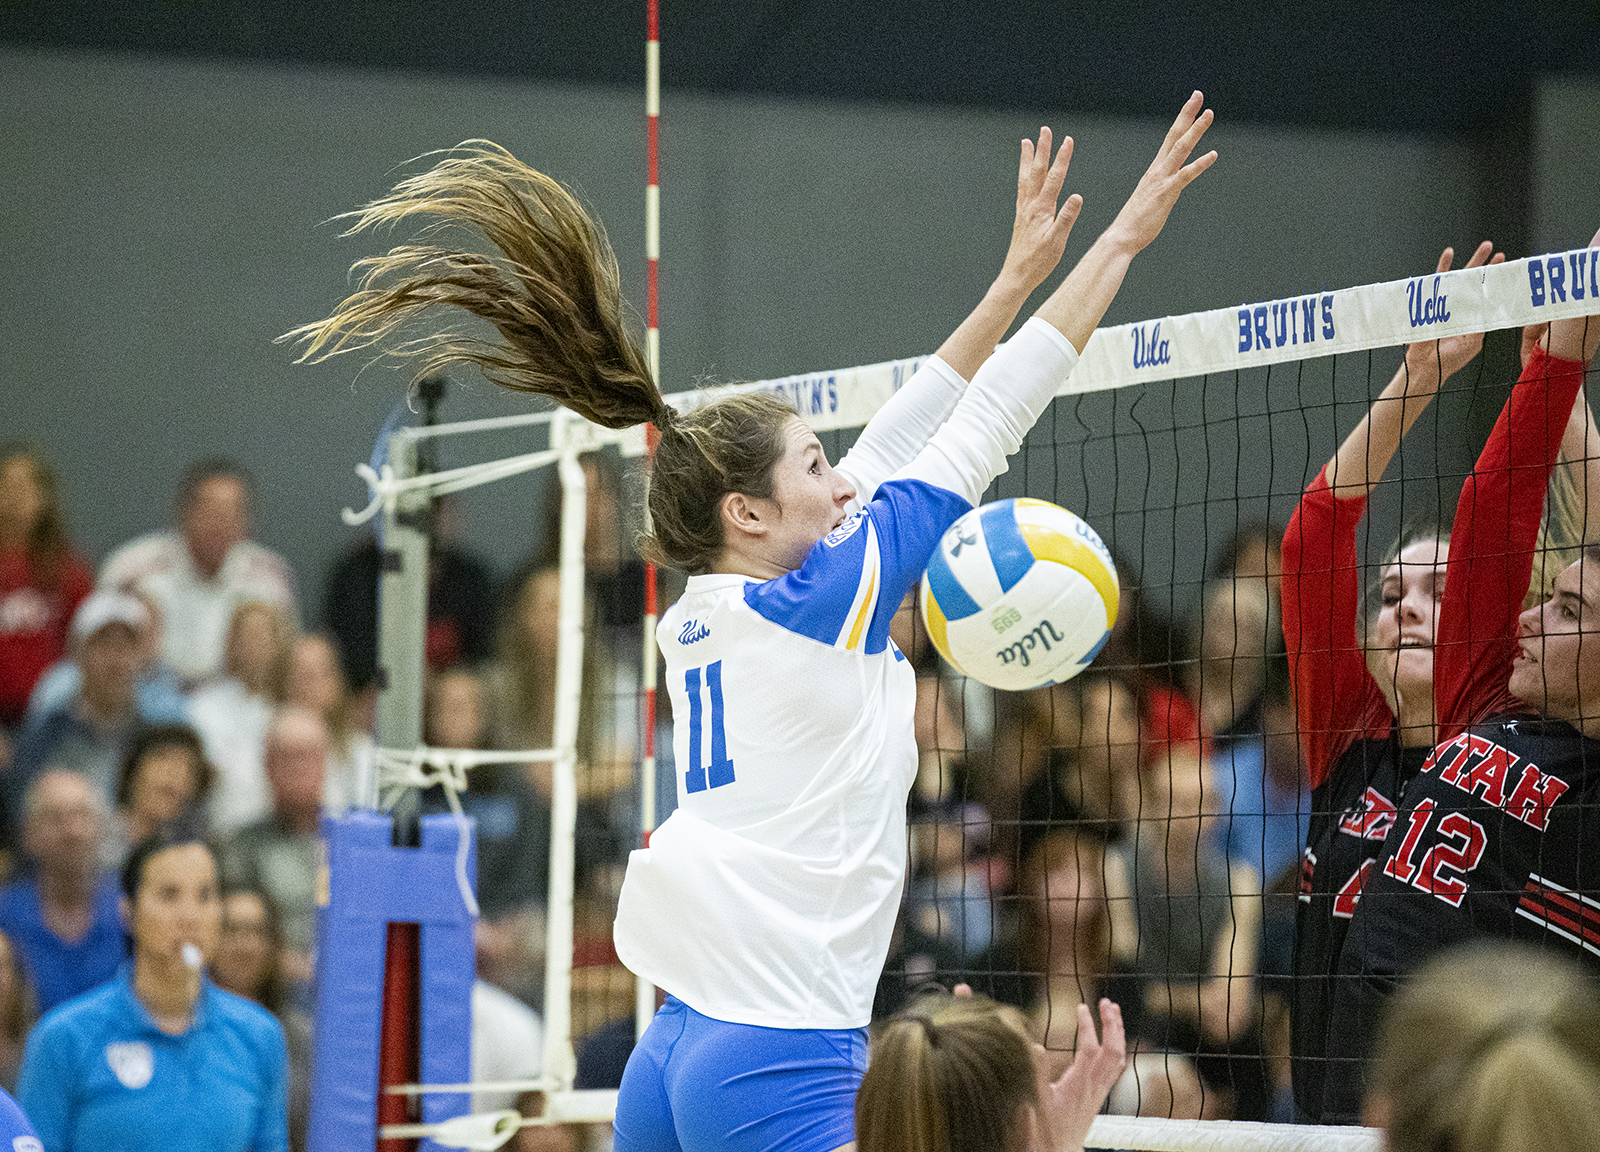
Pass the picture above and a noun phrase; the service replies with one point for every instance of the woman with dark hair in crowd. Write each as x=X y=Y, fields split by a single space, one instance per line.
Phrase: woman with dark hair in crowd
x=160 y=1057
x=958 y=1074
x=165 y=776
x=42 y=580
x=1490 y=1048
x=765 y=904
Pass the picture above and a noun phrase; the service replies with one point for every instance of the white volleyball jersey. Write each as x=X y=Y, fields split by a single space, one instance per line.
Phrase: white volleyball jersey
x=770 y=895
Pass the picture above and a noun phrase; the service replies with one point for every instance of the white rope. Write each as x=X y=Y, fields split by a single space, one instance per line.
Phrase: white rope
x=422 y=768
x=1150 y=1134
x=486 y=1131
x=385 y=488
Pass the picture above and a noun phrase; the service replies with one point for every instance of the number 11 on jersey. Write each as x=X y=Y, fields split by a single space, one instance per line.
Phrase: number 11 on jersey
x=720 y=771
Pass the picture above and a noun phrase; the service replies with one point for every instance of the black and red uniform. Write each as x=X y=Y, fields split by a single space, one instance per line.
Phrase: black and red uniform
x=1355 y=762
x=1497 y=835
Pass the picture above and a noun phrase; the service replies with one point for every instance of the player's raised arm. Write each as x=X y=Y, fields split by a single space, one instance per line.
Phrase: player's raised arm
x=1016 y=384
x=1075 y=308
x=900 y=429
x=1362 y=458
x=1038 y=237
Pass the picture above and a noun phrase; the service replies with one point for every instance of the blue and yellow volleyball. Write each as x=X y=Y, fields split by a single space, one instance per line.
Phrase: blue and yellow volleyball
x=1020 y=594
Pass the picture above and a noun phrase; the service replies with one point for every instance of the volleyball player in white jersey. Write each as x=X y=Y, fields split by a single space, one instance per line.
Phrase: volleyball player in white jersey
x=765 y=903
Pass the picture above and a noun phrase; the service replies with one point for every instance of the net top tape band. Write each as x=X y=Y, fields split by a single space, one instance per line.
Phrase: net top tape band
x=1535 y=289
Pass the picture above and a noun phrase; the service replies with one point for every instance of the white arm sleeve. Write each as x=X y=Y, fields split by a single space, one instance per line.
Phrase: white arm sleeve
x=1006 y=396
x=901 y=428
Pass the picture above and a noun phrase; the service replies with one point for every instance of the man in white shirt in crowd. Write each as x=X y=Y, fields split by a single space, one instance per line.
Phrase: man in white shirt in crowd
x=201 y=571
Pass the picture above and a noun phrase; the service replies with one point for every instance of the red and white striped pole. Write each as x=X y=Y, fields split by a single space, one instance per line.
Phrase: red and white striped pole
x=645 y=1001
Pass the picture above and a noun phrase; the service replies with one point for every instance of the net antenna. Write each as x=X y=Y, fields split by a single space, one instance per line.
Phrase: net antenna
x=644 y=991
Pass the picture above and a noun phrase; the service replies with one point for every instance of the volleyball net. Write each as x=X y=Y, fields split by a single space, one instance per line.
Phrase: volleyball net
x=1186 y=442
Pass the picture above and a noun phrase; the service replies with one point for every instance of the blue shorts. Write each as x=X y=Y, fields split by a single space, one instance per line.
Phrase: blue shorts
x=694 y=1084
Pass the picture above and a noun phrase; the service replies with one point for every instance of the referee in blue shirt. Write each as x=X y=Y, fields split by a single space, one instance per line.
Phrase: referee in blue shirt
x=160 y=1058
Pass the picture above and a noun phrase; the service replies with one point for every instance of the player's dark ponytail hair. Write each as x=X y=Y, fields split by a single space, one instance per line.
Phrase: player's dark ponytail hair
x=554 y=295
x=1492 y=1048
x=948 y=1074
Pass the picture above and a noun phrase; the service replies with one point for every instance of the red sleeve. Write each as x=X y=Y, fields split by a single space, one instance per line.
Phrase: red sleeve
x=1491 y=546
x=1335 y=698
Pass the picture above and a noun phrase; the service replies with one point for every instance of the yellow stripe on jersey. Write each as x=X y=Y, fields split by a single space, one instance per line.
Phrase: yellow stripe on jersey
x=862 y=616
x=853 y=631
x=933 y=615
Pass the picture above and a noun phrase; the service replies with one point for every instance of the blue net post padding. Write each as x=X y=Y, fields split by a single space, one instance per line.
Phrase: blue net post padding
x=370 y=885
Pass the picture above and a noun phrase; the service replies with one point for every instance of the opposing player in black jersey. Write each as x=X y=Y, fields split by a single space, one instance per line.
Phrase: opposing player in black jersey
x=1498 y=833
x=1364 y=703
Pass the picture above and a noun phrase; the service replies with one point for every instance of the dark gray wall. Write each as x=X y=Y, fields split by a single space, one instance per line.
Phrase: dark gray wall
x=163 y=225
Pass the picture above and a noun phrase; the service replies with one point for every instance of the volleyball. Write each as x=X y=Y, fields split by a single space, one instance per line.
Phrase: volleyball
x=1019 y=594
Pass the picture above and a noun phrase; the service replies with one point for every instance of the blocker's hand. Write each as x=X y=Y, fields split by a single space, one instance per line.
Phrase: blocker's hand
x=1069 y=1103
x=1429 y=363
x=1146 y=211
x=1039 y=234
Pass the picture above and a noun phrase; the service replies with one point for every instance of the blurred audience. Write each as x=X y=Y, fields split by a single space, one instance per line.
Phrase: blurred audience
x=88 y=732
x=316 y=683
x=62 y=917
x=513 y=825
x=249 y=962
x=165 y=776
x=42 y=580
x=18 y=1009
x=1241 y=681
x=1070 y=920
x=232 y=713
x=460 y=627
x=1196 y=926
x=613 y=572
x=160 y=1057
x=522 y=682
x=201 y=571
x=279 y=853
x=159 y=692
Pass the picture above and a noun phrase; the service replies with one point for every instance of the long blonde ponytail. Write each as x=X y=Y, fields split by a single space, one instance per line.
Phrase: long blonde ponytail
x=553 y=294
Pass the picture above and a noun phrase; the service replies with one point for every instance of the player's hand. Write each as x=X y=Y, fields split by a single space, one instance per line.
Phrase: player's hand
x=1429 y=363
x=1039 y=233
x=1069 y=1103
x=1146 y=211
x=1577 y=338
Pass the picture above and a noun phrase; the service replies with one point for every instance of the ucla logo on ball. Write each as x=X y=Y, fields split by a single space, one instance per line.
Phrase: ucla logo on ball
x=1039 y=637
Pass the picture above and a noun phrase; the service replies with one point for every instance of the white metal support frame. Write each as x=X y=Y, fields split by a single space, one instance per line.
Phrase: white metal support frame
x=401 y=498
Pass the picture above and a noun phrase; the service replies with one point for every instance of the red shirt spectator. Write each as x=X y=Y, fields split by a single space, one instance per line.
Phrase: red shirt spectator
x=42 y=581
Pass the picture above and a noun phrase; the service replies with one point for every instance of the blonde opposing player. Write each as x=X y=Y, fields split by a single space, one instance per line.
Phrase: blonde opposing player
x=765 y=903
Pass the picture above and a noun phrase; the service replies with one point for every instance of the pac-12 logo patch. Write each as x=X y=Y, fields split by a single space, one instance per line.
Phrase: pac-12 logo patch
x=844 y=531
x=132 y=1061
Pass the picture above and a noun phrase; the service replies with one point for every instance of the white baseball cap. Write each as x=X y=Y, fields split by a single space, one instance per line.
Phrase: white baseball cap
x=106 y=607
